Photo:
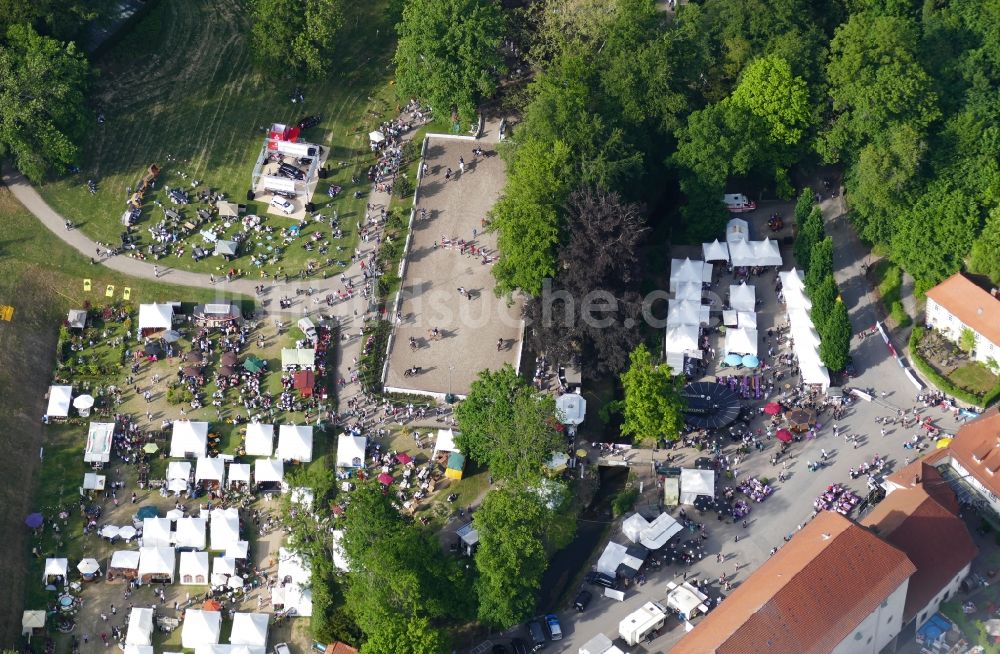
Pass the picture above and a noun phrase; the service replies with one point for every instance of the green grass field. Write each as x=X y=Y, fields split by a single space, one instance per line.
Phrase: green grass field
x=975 y=377
x=182 y=91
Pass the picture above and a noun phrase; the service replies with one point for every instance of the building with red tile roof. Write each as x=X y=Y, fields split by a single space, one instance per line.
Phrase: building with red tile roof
x=956 y=304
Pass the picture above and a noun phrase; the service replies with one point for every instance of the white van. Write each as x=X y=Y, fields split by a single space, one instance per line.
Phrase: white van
x=308 y=328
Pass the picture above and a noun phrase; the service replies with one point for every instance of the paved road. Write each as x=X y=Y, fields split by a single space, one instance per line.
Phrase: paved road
x=791 y=504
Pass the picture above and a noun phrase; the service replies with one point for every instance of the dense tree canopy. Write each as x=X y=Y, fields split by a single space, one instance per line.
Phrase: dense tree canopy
x=836 y=340
x=42 y=101
x=653 y=404
x=297 y=33
x=449 y=53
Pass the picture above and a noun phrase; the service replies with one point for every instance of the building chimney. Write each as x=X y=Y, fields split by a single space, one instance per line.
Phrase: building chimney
x=825 y=536
x=916 y=479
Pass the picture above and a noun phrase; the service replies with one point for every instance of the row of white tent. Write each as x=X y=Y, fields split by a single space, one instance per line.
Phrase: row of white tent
x=805 y=340
x=190 y=532
x=264 y=471
x=685 y=313
x=193 y=570
x=189 y=439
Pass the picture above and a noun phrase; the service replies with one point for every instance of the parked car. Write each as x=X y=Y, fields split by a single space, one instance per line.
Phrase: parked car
x=519 y=646
x=555 y=629
x=582 y=600
x=309 y=121
x=282 y=205
x=537 y=635
x=290 y=171
x=282 y=648
x=600 y=579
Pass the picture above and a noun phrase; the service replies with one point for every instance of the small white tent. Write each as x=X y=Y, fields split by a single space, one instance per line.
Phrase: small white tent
x=268 y=471
x=156 y=532
x=100 y=436
x=179 y=470
x=659 y=531
x=155 y=317
x=571 y=408
x=55 y=568
x=746 y=319
x=351 y=451
x=295 y=576
x=193 y=569
x=238 y=472
x=157 y=562
x=249 y=629
x=689 y=291
x=260 y=439
x=767 y=253
x=339 y=556
x=695 y=482
x=189 y=439
x=445 y=441
x=208 y=469
x=295 y=443
x=302 y=358
x=31 y=620
x=681 y=338
x=200 y=628
x=140 y=627
x=715 y=251
x=687 y=312
x=190 y=533
x=689 y=271
x=742 y=340
x=742 y=297
x=225 y=528
x=633 y=526
x=613 y=556
x=59 y=399
x=737 y=229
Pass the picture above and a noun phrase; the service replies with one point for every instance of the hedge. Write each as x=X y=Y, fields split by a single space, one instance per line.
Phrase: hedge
x=942 y=382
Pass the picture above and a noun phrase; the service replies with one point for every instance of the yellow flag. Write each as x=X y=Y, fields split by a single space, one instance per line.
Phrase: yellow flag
x=6 y=312
x=126 y=293
x=86 y=286
x=109 y=291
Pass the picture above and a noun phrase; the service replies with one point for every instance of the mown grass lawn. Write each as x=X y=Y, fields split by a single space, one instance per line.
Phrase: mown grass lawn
x=182 y=91
x=975 y=377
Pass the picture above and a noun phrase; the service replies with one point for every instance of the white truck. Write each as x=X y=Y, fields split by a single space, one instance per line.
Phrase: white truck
x=738 y=203
x=636 y=626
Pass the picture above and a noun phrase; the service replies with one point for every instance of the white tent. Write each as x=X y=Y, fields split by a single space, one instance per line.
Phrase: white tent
x=659 y=531
x=238 y=550
x=688 y=291
x=292 y=565
x=31 y=620
x=301 y=357
x=599 y=644
x=268 y=471
x=689 y=271
x=260 y=439
x=249 y=629
x=229 y=649
x=715 y=251
x=767 y=253
x=59 y=399
x=156 y=532
x=741 y=340
x=124 y=560
x=801 y=329
x=295 y=443
x=138 y=649
x=737 y=229
x=376 y=136
x=179 y=470
x=200 y=628
x=223 y=567
x=687 y=312
x=730 y=318
x=226 y=248
x=239 y=472
x=140 y=627
x=742 y=253
x=445 y=441
x=155 y=317
x=189 y=439
x=208 y=469
x=571 y=408
x=193 y=569
x=55 y=568
x=351 y=451
x=190 y=533
x=746 y=319
x=792 y=279
x=686 y=599
x=293 y=596
x=99 y=438
x=157 y=561
x=613 y=556
x=225 y=528
x=742 y=297
x=339 y=557
x=633 y=526
x=695 y=482
x=681 y=338
x=296 y=572
x=93 y=481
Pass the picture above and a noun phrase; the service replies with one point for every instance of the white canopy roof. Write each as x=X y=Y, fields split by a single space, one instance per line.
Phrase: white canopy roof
x=55 y=567
x=190 y=533
x=249 y=629
x=100 y=436
x=155 y=316
x=223 y=565
x=599 y=644
x=695 y=482
x=571 y=408
x=376 y=136
x=445 y=441
x=742 y=340
x=297 y=593
x=268 y=470
x=140 y=627
x=633 y=525
x=260 y=439
x=612 y=557
x=32 y=620
x=767 y=253
x=659 y=531
x=189 y=439
x=124 y=560
x=681 y=338
x=227 y=209
x=730 y=318
x=239 y=472
x=238 y=550
x=209 y=469
x=792 y=279
x=742 y=297
x=229 y=649
x=157 y=561
x=225 y=527
x=179 y=470
x=737 y=229
x=156 y=532
x=59 y=398
x=351 y=451
x=193 y=569
x=689 y=271
x=715 y=251
x=138 y=649
x=302 y=357
x=746 y=319
x=339 y=557
x=200 y=628
x=293 y=596
x=687 y=312
x=687 y=291
x=295 y=443
x=741 y=253
x=686 y=598
x=93 y=481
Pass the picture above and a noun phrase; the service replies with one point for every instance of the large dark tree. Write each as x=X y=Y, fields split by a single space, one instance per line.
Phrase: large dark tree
x=592 y=309
x=297 y=33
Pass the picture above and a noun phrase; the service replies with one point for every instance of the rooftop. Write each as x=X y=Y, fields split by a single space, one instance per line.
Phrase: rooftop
x=971 y=304
x=976 y=447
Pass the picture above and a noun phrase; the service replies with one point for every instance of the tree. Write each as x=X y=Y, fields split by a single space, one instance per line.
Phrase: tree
x=449 y=53
x=299 y=33
x=985 y=259
x=704 y=215
x=803 y=206
x=967 y=340
x=511 y=556
x=820 y=264
x=401 y=636
x=823 y=298
x=653 y=404
x=592 y=308
x=42 y=101
x=508 y=426
x=835 y=344
x=810 y=233
x=770 y=91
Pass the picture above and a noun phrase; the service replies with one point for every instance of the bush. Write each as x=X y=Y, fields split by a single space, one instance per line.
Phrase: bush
x=179 y=394
x=624 y=501
x=403 y=187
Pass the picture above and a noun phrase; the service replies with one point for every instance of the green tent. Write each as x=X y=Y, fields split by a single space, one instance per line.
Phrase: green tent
x=253 y=364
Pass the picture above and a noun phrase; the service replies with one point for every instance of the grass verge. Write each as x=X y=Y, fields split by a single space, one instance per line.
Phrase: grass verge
x=888 y=280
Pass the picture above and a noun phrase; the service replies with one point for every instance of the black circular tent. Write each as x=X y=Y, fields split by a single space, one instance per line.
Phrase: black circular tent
x=710 y=405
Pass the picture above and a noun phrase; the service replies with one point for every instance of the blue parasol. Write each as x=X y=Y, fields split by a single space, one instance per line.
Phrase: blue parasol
x=34 y=520
x=733 y=360
x=750 y=361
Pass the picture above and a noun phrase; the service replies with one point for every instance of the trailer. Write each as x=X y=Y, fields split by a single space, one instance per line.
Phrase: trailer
x=639 y=624
x=738 y=203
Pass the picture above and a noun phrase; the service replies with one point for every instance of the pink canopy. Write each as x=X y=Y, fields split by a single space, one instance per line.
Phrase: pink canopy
x=385 y=479
x=784 y=436
x=404 y=458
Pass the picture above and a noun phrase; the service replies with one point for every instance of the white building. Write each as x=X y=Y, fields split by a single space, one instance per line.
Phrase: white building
x=957 y=304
